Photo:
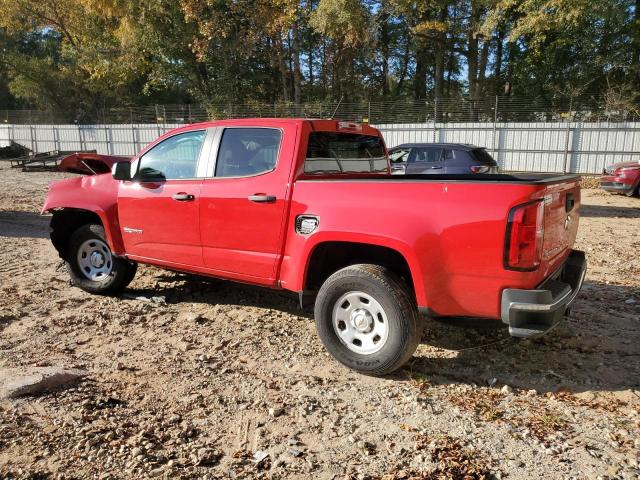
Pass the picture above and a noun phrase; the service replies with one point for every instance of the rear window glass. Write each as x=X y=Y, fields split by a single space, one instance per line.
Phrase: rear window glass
x=482 y=156
x=332 y=152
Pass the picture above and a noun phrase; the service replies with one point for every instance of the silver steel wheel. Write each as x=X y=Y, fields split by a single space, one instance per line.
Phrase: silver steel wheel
x=95 y=260
x=360 y=323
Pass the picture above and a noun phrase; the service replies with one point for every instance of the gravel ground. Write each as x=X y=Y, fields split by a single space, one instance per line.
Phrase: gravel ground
x=229 y=381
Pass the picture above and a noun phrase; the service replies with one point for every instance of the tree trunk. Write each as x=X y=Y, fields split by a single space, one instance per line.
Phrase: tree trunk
x=441 y=55
x=385 y=40
x=511 y=54
x=482 y=70
x=636 y=45
x=451 y=63
x=284 y=74
x=405 y=66
x=472 y=64
x=297 y=75
x=310 y=40
x=472 y=49
x=497 y=68
x=440 y=59
x=420 y=76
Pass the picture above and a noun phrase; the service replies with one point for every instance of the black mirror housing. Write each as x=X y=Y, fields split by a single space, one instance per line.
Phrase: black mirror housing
x=121 y=171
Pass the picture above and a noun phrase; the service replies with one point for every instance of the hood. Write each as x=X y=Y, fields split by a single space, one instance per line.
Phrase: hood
x=89 y=163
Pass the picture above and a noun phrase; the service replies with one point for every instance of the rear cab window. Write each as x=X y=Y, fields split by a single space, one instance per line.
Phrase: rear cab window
x=338 y=152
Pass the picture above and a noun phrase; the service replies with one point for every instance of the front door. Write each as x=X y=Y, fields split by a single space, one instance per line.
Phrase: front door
x=159 y=209
x=242 y=208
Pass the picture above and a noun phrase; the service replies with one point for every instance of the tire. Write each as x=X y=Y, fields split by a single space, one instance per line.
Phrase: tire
x=108 y=274
x=635 y=191
x=373 y=300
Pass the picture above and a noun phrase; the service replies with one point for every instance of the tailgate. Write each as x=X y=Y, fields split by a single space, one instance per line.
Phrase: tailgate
x=561 y=214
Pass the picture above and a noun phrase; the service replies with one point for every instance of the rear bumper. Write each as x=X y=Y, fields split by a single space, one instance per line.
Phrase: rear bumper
x=531 y=313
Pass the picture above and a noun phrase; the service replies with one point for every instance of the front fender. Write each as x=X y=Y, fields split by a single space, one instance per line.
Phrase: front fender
x=97 y=194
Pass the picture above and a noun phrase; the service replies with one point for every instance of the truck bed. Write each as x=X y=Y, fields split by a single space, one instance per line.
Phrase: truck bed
x=451 y=229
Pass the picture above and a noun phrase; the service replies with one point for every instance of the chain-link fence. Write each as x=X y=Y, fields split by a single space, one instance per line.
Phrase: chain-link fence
x=578 y=147
x=609 y=107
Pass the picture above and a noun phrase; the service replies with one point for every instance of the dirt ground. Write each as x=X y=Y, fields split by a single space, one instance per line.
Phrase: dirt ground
x=229 y=381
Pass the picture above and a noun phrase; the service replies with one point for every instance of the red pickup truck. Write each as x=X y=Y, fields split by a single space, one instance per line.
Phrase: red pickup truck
x=309 y=206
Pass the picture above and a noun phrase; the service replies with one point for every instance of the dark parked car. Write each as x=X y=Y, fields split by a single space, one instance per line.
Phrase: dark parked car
x=432 y=158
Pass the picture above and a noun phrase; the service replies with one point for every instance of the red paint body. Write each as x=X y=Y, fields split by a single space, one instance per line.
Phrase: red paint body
x=451 y=232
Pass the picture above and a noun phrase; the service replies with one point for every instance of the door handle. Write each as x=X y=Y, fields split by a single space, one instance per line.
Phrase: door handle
x=435 y=168
x=183 y=197
x=262 y=198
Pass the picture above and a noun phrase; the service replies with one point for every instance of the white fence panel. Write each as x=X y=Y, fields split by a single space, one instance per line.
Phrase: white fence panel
x=536 y=147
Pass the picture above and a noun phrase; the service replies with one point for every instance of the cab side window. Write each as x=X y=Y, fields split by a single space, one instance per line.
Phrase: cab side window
x=174 y=158
x=247 y=152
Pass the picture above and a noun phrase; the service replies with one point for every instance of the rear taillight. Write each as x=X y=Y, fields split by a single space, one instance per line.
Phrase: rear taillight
x=479 y=168
x=525 y=233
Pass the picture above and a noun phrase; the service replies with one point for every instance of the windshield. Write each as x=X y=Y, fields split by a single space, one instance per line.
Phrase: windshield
x=333 y=152
x=398 y=155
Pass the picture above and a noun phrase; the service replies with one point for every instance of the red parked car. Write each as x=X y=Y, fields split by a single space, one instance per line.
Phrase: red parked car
x=309 y=206
x=621 y=178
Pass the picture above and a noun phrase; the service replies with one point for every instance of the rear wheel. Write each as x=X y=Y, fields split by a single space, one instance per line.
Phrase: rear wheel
x=367 y=320
x=91 y=264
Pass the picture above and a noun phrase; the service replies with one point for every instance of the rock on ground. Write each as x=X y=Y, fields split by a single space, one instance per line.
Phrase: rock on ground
x=23 y=381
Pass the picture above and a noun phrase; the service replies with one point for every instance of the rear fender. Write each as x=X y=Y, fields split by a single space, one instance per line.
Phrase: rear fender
x=97 y=194
x=403 y=249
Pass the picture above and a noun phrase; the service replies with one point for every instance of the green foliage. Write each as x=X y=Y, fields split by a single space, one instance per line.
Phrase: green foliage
x=80 y=56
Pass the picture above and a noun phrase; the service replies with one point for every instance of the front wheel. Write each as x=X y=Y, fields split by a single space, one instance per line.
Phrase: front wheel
x=367 y=320
x=91 y=264
x=634 y=191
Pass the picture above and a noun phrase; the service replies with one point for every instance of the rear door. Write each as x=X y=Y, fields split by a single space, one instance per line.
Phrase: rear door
x=159 y=210
x=243 y=200
x=425 y=160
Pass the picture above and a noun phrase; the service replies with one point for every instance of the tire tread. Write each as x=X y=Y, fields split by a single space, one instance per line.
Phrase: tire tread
x=410 y=331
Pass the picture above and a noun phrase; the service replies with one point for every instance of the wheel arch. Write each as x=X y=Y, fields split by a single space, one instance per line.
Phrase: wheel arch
x=65 y=221
x=330 y=255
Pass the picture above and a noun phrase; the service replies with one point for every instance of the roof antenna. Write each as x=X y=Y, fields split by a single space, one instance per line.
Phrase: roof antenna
x=337 y=107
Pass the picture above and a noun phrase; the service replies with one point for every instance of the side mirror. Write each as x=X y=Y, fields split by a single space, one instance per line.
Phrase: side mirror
x=121 y=171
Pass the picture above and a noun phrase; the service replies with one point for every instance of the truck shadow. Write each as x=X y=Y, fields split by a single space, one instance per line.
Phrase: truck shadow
x=181 y=287
x=23 y=224
x=596 y=349
x=610 y=211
